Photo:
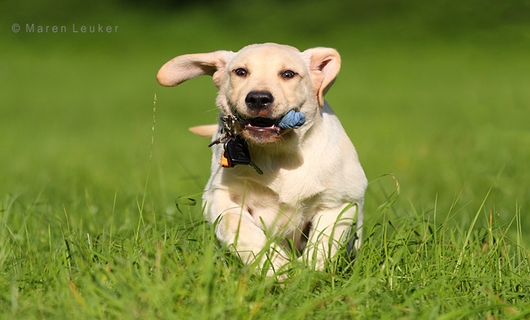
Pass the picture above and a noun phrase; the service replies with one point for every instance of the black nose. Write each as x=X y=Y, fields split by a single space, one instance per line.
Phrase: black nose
x=258 y=100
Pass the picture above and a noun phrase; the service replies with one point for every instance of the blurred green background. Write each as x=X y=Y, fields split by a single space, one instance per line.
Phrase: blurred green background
x=435 y=92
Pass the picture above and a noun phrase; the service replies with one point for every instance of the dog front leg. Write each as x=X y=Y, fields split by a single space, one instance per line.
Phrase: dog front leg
x=236 y=228
x=330 y=231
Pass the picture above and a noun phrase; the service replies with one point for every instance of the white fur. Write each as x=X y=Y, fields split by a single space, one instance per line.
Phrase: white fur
x=310 y=175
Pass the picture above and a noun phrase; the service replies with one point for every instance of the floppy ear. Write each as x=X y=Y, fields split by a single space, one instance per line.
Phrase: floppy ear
x=324 y=65
x=185 y=67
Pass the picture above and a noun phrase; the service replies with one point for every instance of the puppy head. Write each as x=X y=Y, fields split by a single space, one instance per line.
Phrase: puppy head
x=261 y=83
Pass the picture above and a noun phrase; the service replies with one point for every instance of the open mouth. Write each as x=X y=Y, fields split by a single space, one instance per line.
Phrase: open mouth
x=265 y=130
x=262 y=125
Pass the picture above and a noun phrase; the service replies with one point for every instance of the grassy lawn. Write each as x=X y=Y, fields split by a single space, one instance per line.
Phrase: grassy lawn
x=91 y=165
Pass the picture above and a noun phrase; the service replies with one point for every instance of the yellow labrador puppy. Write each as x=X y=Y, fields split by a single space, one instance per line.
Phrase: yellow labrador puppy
x=303 y=186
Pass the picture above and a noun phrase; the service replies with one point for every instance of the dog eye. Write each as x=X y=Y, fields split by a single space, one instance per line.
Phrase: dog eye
x=241 y=72
x=288 y=74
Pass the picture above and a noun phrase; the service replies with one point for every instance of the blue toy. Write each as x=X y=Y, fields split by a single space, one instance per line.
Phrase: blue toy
x=292 y=120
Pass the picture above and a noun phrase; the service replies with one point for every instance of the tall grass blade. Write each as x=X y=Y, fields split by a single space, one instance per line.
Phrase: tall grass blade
x=469 y=231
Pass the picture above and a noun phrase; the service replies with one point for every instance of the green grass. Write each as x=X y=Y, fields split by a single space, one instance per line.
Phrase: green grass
x=88 y=222
x=154 y=266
